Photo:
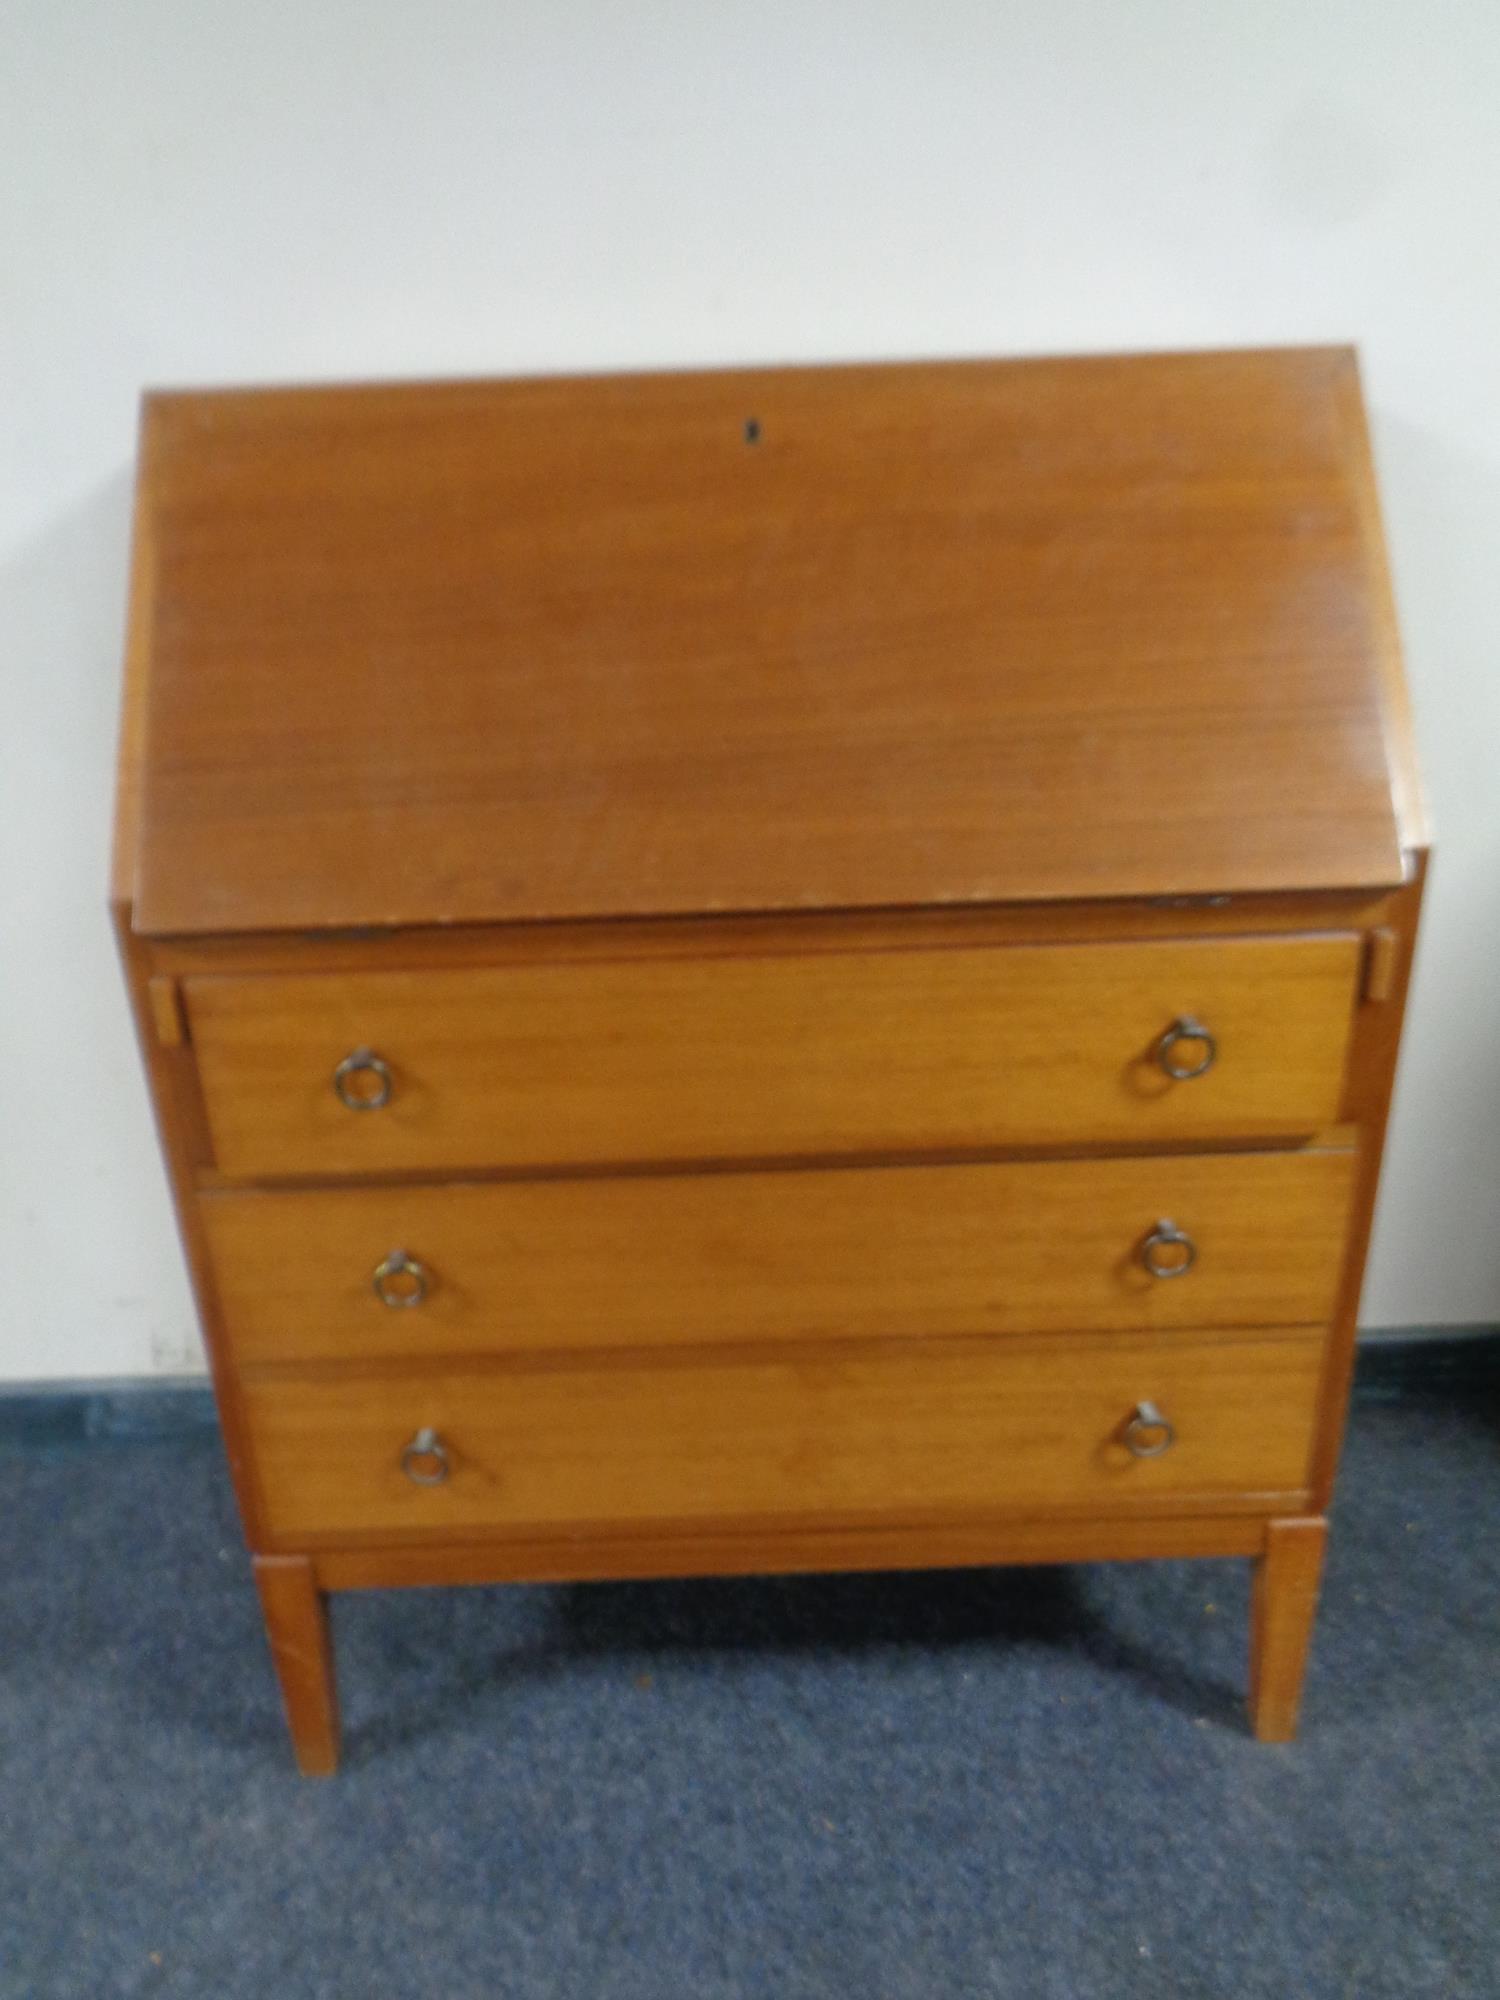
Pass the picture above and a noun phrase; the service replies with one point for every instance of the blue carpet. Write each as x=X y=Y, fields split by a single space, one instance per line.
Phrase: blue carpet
x=1030 y=1784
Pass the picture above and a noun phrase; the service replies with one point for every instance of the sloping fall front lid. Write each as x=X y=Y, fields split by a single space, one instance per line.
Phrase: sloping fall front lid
x=813 y=638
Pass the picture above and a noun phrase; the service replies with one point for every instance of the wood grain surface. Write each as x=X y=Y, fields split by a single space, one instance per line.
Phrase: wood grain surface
x=296 y=1616
x=1038 y=1246
x=727 y=1436
x=1283 y=1604
x=743 y=1057
x=926 y=634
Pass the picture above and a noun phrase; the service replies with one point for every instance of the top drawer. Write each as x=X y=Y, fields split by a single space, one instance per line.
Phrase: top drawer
x=741 y=1057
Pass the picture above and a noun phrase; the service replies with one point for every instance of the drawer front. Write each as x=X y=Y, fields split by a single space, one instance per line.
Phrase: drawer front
x=735 y=1437
x=995 y=1248
x=735 y=1057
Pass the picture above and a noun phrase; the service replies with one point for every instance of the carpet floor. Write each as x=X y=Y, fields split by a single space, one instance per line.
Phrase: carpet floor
x=1030 y=1784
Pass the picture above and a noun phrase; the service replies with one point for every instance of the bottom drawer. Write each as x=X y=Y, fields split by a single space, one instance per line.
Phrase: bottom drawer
x=728 y=1437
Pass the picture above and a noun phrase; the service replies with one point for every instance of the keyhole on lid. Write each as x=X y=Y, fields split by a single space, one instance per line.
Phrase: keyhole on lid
x=752 y=430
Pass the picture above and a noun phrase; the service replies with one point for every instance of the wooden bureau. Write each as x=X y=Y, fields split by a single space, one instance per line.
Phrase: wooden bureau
x=773 y=970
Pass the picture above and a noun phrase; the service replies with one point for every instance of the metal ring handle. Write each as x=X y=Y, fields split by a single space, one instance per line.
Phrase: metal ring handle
x=1166 y=1234
x=1146 y=1419
x=427 y=1444
x=363 y=1062
x=399 y=1265
x=1186 y=1029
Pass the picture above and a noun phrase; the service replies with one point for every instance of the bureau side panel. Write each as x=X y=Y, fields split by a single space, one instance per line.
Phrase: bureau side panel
x=154 y=996
x=1379 y=1021
x=172 y=1082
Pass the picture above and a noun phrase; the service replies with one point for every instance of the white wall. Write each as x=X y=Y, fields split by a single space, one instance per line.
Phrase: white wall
x=279 y=190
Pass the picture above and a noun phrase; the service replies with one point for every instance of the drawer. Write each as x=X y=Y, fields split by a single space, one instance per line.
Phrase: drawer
x=738 y=1057
x=736 y=1437
x=1016 y=1247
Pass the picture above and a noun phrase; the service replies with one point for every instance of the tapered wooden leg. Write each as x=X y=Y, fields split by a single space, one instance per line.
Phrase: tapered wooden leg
x=1284 y=1598
x=296 y=1614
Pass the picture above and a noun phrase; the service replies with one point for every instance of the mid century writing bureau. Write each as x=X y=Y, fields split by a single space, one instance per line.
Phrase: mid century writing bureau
x=771 y=970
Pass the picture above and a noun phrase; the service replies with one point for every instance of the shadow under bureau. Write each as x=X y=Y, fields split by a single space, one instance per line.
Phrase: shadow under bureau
x=772 y=970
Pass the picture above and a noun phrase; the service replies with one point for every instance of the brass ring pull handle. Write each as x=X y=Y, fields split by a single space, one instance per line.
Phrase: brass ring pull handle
x=1169 y=1252
x=1148 y=1434
x=424 y=1459
x=363 y=1081
x=1186 y=1029
x=399 y=1280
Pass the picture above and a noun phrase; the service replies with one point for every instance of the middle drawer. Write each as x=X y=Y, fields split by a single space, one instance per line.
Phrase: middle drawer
x=1242 y=1239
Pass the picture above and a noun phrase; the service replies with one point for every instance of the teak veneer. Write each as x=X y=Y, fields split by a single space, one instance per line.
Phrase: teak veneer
x=784 y=969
